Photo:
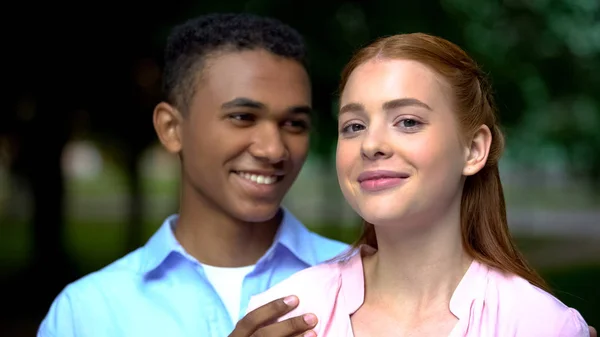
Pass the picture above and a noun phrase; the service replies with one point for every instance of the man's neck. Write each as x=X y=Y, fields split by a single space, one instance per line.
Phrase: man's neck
x=215 y=238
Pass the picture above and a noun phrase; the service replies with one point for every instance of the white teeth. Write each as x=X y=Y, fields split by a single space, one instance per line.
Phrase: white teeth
x=259 y=179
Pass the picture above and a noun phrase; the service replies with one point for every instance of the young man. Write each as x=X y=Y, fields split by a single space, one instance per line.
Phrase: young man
x=238 y=114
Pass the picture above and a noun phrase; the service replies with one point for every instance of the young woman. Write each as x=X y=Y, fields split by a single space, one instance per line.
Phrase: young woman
x=417 y=158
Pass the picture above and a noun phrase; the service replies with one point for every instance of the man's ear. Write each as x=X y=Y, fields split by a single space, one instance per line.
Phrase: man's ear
x=477 y=151
x=167 y=124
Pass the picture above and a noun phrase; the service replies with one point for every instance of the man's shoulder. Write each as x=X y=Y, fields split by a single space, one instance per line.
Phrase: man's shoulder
x=305 y=243
x=326 y=248
x=80 y=303
x=128 y=268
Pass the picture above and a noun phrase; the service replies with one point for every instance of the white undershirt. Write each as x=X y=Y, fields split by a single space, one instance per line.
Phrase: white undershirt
x=228 y=284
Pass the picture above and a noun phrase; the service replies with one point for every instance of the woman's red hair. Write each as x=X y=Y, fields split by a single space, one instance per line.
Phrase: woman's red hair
x=484 y=226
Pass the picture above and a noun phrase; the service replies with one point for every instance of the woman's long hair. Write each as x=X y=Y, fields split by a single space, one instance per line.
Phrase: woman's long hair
x=484 y=226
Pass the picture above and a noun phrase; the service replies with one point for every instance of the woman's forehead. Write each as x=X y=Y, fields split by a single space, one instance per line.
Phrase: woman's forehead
x=381 y=80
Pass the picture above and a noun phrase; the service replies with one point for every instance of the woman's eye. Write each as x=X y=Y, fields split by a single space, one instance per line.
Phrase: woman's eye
x=353 y=127
x=409 y=124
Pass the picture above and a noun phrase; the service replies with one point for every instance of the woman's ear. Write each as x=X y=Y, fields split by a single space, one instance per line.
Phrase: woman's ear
x=477 y=151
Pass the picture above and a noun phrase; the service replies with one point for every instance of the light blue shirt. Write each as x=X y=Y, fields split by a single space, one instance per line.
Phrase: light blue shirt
x=161 y=290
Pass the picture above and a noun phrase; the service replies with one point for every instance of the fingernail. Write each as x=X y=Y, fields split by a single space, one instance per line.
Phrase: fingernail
x=290 y=300
x=310 y=319
x=310 y=334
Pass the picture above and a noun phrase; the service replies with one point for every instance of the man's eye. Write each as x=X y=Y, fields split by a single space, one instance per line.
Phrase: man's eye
x=242 y=117
x=298 y=125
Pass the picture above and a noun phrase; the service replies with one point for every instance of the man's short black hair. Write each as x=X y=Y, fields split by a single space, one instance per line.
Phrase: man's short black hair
x=190 y=43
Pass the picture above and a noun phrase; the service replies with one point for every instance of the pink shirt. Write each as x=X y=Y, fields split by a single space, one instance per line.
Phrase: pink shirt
x=486 y=302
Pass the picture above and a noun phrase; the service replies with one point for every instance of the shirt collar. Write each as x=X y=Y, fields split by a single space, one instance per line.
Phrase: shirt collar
x=161 y=245
x=296 y=238
x=291 y=235
x=353 y=278
x=470 y=288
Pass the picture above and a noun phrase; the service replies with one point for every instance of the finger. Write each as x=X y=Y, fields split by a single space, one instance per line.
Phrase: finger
x=263 y=315
x=299 y=325
x=593 y=332
x=309 y=333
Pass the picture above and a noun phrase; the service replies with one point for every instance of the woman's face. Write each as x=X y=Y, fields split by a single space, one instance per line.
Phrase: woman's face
x=399 y=154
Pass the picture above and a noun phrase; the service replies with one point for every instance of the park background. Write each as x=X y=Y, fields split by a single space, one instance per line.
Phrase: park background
x=83 y=180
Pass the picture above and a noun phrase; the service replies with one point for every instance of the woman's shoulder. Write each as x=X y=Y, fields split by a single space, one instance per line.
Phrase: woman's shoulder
x=323 y=290
x=309 y=285
x=528 y=309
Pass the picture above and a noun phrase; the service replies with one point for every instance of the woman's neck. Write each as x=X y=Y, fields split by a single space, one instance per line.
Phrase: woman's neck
x=418 y=268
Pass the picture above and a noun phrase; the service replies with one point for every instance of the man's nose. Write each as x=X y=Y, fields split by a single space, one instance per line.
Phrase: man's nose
x=268 y=144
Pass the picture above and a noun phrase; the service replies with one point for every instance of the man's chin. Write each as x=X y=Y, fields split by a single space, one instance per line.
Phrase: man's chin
x=258 y=213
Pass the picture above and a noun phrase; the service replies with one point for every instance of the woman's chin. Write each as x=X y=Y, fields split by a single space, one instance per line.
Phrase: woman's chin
x=386 y=216
x=383 y=219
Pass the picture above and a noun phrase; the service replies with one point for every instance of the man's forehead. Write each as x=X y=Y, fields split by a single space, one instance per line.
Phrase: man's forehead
x=254 y=66
x=262 y=79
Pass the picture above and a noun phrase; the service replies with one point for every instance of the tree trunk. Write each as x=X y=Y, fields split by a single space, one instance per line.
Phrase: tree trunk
x=135 y=229
x=42 y=137
x=41 y=147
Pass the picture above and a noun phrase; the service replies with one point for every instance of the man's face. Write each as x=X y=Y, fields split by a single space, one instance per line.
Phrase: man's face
x=245 y=136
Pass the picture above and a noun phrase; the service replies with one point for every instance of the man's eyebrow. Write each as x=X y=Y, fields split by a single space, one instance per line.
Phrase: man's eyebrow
x=242 y=102
x=301 y=110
